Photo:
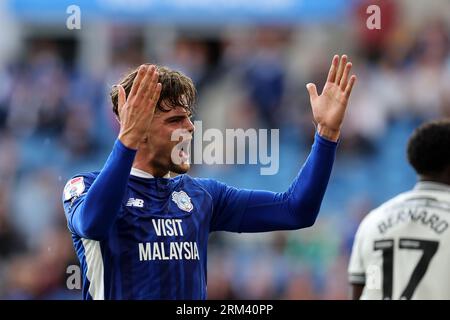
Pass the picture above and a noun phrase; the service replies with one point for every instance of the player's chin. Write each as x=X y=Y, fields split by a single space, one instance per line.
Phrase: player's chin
x=180 y=168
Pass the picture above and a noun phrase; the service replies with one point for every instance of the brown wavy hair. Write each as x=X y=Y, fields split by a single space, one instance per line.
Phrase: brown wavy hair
x=178 y=90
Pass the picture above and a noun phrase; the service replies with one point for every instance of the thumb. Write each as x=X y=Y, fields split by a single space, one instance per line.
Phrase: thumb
x=121 y=97
x=312 y=90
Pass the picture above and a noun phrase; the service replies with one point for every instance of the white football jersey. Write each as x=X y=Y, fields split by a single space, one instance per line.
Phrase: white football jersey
x=402 y=248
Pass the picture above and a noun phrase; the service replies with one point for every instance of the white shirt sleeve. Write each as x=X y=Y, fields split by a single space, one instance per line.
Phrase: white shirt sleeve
x=356 y=269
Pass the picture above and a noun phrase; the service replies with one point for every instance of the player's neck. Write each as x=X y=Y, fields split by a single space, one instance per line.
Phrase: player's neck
x=155 y=171
x=444 y=179
x=143 y=161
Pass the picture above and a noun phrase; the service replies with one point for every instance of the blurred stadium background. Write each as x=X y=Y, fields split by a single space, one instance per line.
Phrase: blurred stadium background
x=250 y=61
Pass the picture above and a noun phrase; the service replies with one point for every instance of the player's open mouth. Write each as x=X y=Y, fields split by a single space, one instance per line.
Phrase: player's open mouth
x=184 y=156
x=184 y=151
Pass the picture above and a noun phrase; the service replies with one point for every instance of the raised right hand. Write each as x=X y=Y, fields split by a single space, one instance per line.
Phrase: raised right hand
x=136 y=111
x=329 y=107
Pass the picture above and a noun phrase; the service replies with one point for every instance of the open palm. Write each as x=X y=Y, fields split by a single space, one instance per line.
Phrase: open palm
x=329 y=107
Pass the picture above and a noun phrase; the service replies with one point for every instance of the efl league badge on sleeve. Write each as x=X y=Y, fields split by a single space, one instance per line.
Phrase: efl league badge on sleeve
x=182 y=200
x=74 y=188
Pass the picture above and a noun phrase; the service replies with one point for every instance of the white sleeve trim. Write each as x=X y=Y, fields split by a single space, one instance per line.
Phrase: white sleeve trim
x=357 y=278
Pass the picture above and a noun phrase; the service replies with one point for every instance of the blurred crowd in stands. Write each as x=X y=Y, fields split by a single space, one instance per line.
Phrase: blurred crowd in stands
x=56 y=121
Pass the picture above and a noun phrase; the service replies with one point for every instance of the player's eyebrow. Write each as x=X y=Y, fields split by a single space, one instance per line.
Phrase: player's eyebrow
x=177 y=117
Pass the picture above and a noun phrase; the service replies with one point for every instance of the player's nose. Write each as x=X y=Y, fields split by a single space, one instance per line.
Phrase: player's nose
x=190 y=126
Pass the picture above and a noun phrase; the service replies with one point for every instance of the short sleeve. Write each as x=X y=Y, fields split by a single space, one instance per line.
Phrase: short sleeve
x=356 y=270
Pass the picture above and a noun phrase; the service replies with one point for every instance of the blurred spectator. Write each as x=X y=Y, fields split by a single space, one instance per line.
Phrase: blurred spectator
x=373 y=42
x=264 y=75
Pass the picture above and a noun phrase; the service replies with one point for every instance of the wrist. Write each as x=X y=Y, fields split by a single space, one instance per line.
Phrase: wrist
x=328 y=133
x=128 y=141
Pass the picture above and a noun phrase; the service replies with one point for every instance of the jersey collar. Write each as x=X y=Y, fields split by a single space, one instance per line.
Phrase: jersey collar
x=142 y=174
x=431 y=185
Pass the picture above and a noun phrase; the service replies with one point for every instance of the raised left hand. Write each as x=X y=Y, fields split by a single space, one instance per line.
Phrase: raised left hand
x=329 y=107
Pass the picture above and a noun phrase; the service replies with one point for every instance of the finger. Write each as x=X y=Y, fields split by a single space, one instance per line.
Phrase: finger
x=348 y=89
x=340 y=70
x=145 y=83
x=156 y=95
x=312 y=90
x=344 y=79
x=332 y=72
x=137 y=81
x=152 y=84
x=121 y=97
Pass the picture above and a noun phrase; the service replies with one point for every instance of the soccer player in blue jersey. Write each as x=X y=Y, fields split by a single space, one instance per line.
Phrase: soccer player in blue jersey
x=140 y=234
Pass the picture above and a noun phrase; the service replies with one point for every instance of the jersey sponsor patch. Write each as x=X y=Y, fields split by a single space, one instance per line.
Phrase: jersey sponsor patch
x=74 y=188
x=182 y=200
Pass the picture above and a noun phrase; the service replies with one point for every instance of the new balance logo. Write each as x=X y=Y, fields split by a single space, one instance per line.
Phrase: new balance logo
x=132 y=202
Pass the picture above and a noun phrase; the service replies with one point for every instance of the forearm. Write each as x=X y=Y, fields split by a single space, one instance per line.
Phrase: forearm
x=356 y=291
x=96 y=214
x=300 y=205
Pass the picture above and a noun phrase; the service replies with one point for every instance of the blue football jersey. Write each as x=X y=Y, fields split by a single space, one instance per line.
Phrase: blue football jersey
x=140 y=237
x=160 y=235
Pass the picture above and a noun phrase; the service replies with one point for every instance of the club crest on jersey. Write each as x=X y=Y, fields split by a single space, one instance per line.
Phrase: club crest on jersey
x=182 y=200
x=74 y=188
